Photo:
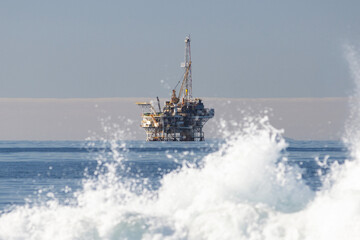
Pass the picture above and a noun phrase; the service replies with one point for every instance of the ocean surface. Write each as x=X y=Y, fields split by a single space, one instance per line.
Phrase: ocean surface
x=252 y=185
x=31 y=171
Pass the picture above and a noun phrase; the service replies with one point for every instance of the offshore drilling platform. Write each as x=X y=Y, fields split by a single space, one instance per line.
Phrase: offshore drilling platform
x=183 y=117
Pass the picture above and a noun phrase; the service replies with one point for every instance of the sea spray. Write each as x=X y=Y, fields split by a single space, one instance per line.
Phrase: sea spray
x=245 y=190
x=335 y=212
x=352 y=128
x=238 y=192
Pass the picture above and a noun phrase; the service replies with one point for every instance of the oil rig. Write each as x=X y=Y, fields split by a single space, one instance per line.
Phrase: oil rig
x=183 y=117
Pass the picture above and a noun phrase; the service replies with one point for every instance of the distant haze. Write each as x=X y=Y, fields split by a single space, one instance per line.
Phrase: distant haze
x=78 y=119
x=67 y=67
x=240 y=49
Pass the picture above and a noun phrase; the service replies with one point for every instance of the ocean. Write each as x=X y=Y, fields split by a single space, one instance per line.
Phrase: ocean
x=252 y=184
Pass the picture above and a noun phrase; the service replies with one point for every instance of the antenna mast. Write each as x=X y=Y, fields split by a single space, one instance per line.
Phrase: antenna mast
x=186 y=86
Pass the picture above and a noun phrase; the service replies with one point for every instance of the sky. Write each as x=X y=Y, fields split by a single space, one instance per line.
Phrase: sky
x=240 y=49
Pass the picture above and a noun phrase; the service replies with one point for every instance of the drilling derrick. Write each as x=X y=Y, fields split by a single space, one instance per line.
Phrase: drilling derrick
x=182 y=118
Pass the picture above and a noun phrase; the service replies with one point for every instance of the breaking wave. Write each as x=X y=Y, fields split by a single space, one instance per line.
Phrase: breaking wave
x=245 y=190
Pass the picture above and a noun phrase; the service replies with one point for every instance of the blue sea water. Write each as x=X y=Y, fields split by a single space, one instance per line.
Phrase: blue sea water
x=29 y=170
x=251 y=186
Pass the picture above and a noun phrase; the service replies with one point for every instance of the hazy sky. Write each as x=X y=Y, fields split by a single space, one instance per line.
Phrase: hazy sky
x=134 y=48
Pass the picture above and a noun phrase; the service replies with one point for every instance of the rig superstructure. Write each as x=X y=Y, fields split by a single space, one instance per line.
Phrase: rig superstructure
x=183 y=117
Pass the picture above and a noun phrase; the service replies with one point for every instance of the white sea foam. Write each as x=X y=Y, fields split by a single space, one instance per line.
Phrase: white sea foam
x=243 y=191
x=239 y=192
